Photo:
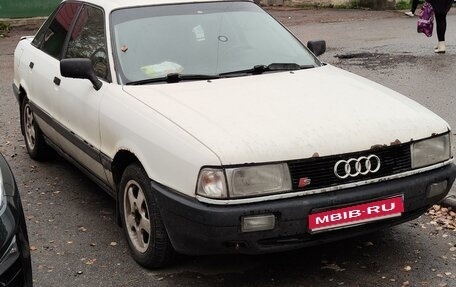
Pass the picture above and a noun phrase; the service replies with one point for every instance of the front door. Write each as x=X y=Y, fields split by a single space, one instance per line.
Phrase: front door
x=77 y=106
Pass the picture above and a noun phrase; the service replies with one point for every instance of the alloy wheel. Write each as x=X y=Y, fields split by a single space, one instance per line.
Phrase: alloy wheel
x=30 y=132
x=137 y=216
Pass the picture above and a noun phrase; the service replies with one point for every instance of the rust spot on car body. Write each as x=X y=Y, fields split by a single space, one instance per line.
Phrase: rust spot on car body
x=382 y=146
x=378 y=146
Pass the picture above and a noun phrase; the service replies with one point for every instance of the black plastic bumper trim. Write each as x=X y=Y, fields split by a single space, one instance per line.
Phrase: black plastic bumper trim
x=198 y=228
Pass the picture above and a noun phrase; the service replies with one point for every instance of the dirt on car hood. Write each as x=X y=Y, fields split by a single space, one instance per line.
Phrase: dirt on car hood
x=290 y=115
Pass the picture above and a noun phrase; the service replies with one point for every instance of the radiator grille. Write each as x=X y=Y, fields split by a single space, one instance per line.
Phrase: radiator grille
x=320 y=170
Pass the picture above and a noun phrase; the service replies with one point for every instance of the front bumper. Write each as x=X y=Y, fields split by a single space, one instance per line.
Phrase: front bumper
x=15 y=263
x=197 y=228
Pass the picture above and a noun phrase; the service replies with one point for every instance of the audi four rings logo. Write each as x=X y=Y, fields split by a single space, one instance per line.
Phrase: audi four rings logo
x=356 y=166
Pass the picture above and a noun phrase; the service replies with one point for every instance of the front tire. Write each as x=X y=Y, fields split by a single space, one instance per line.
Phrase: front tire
x=34 y=140
x=141 y=220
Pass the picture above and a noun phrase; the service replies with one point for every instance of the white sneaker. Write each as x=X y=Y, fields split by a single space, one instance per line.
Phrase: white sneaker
x=409 y=13
x=440 y=49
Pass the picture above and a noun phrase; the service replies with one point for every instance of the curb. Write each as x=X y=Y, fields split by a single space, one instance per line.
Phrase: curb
x=20 y=22
x=450 y=201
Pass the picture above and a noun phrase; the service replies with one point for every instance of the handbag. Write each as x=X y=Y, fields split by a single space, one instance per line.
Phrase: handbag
x=425 y=23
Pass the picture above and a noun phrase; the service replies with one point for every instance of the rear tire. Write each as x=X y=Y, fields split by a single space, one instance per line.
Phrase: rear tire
x=33 y=136
x=141 y=220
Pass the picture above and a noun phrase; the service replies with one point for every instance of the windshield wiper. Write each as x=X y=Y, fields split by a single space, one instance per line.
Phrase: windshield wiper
x=257 y=69
x=260 y=69
x=174 y=78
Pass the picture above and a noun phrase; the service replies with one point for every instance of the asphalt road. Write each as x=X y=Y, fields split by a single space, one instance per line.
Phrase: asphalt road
x=75 y=241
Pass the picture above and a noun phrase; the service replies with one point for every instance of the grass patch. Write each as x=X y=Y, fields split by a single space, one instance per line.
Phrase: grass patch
x=4 y=29
x=403 y=5
x=353 y=4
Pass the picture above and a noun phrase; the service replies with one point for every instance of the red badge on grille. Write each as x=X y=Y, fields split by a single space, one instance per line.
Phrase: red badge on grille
x=304 y=181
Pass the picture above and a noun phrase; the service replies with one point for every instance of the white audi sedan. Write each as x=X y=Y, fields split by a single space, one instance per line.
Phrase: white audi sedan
x=217 y=131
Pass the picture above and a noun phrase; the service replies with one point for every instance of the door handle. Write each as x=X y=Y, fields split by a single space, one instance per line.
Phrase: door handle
x=31 y=65
x=57 y=81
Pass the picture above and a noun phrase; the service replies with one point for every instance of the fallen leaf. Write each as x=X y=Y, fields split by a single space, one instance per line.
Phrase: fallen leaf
x=334 y=267
x=90 y=261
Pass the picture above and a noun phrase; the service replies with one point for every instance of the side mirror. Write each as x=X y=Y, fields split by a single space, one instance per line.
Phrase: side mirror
x=317 y=47
x=80 y=68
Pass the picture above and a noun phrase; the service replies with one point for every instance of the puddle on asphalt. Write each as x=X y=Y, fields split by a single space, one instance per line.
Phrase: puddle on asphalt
x=376 y=60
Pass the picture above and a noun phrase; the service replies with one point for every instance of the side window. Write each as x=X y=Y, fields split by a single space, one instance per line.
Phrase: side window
x=51 y=39
x=88 y=40
x=39 y=37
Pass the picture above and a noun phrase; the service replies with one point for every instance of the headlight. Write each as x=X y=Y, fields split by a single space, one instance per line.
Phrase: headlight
x=9 y=257
x=258 y=180
x=430 y=151
x=244 y=181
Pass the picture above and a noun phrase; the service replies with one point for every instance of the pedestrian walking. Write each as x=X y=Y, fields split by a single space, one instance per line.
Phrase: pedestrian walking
x=411 y=13
x=441 y=8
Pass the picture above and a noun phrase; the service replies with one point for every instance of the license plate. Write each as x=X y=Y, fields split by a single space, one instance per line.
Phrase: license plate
x=356 y=214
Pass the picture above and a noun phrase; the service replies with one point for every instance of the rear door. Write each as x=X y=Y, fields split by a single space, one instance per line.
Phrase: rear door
x=44 y=66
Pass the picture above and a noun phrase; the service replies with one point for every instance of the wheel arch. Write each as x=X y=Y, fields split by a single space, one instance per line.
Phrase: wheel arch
x=122 y=159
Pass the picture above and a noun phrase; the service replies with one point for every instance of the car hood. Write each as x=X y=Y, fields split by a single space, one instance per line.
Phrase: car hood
x=290 y=115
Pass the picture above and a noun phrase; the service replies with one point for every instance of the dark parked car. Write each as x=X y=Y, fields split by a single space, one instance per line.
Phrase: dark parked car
x=15 y=264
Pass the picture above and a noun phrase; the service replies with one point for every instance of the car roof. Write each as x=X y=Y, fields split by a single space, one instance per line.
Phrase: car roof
x=110 y=5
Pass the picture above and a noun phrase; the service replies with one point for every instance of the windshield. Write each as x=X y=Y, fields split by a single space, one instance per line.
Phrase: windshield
x=200 y=39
